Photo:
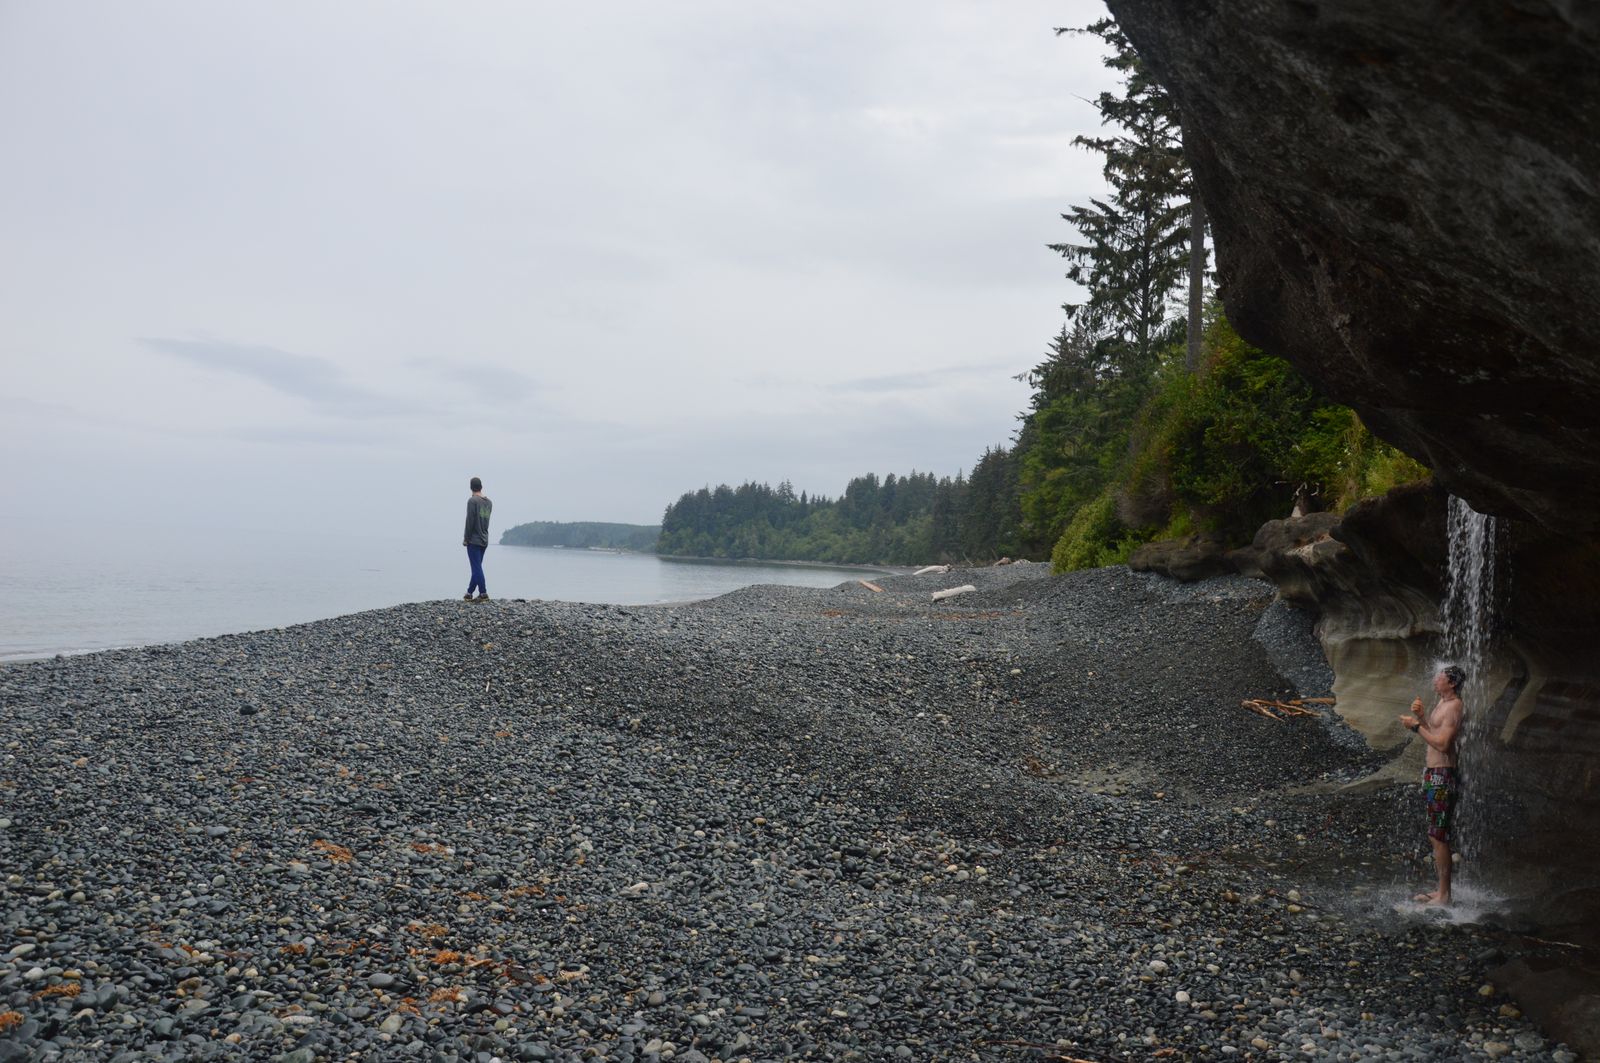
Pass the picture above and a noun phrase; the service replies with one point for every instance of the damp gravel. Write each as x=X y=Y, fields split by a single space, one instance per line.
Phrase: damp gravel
x=1030 y=822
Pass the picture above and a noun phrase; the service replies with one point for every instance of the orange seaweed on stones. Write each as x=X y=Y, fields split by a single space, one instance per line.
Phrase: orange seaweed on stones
x=338 y=854
x=296 y=949
x=447 y=995
x=10 y=1020
x=429 y=930
x=65 y=989
x=444 y=956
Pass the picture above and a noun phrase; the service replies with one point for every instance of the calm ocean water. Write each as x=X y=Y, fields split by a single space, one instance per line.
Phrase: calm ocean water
x=95 y=588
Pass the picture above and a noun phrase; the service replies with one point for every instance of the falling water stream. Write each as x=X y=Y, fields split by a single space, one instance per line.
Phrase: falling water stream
x=1467 y=618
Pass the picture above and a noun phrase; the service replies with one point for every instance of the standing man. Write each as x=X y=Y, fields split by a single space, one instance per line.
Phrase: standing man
x=476 y=539
x=1440 y=787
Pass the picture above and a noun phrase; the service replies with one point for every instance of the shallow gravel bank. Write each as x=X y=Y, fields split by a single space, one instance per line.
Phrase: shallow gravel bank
x=785 y=824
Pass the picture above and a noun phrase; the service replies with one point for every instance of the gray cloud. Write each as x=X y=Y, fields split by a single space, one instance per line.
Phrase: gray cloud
x=316 y=380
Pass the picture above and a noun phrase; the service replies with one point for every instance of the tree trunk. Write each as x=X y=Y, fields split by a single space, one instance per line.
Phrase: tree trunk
x=1197 y=278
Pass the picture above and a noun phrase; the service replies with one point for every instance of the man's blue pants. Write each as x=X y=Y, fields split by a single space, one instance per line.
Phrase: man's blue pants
x=475 y=557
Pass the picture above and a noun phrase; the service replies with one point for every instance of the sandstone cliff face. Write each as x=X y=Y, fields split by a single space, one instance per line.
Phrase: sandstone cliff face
x=1405 y=204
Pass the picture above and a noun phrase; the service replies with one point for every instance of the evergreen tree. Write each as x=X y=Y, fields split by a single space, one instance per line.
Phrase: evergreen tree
x=944 y=544
x=990 y=517
x=1132 y=260
x=1134 y=252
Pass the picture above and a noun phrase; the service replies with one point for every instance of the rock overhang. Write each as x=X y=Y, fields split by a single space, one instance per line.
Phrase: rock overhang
x=1405 y=201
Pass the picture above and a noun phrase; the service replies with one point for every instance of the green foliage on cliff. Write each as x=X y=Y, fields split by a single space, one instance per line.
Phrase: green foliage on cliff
x=582 y=535
x=1222 y=452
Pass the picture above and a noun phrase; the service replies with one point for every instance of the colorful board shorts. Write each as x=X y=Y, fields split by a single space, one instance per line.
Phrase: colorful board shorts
x=1441 y=790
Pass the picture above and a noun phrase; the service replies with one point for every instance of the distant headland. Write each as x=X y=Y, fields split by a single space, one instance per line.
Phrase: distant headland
x=583 y=535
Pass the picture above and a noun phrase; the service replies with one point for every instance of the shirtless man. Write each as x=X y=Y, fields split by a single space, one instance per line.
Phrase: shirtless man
x=1440 y=787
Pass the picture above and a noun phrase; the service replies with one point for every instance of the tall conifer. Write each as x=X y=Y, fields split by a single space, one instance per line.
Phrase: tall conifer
x=1134 y=250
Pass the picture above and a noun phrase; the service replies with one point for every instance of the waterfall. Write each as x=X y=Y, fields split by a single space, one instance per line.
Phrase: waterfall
x=1467 y=618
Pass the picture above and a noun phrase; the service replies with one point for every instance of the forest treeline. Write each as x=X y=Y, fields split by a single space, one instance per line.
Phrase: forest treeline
x=1149 y=416
x=898 y=520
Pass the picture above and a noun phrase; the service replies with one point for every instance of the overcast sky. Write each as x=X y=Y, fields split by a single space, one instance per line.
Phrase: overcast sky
x=313 y=264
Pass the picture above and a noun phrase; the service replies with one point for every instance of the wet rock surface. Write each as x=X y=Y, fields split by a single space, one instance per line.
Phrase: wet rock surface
x=785 y=824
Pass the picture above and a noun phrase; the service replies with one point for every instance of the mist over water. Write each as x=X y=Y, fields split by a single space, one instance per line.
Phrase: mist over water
x=89 y=587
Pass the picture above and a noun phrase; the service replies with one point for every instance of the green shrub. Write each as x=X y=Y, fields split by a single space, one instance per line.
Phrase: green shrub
x=1096 y=537
x=1240 y=440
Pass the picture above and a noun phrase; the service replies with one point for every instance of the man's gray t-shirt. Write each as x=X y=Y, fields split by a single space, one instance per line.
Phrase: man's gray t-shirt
x=478 y=507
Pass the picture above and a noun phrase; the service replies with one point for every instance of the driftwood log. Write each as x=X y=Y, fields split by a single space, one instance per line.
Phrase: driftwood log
x=1273 y=709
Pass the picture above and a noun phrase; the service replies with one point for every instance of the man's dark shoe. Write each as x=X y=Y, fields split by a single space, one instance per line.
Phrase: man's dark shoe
x=481 y=598
x=467 y=597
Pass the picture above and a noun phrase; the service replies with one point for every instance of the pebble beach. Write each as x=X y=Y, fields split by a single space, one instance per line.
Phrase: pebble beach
x=1031 y=822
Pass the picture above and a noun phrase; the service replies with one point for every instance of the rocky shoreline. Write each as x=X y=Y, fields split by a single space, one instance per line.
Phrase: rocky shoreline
x=1031 y=822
